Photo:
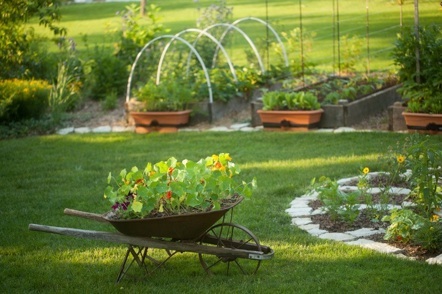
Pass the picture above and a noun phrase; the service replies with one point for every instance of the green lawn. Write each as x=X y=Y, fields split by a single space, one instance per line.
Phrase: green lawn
x=317 y=16
x=40 y=176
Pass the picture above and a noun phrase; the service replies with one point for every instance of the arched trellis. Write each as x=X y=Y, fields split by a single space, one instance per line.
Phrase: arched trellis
x=129 y=83
x=246 y=37
x=268 y=26
x=201 y=32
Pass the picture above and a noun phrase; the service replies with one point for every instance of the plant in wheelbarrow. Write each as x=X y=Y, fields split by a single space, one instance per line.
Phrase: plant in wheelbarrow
x=174 y=192
x=183 y=200
x=178 y=206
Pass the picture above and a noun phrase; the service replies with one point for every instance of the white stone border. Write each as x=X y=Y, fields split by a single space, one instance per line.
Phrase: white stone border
x=301 y=213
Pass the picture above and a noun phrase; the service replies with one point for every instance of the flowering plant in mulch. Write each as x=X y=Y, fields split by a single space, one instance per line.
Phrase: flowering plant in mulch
x=175 y=187
x=416 y=165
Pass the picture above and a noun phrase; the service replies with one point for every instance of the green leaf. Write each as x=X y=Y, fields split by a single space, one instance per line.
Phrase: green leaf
x=137 y=206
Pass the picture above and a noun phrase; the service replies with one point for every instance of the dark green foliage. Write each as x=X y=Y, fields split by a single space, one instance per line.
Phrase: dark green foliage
x=421 y=89
x=21 y=99
x=17 y=58
x=104 y=74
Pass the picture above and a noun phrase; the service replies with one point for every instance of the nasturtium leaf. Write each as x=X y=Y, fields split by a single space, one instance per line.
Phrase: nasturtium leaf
x=137 y=206
x=142 y=192
x=123 y=173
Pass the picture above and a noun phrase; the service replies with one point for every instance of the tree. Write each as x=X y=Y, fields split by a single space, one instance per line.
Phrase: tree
x=14 y=39
x=143 y=7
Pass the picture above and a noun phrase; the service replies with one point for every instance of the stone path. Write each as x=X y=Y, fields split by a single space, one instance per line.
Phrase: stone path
x=301 y=213
x=244 y=127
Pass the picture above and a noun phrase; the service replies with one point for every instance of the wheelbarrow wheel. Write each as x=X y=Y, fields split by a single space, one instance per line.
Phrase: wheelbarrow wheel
x=227 y=235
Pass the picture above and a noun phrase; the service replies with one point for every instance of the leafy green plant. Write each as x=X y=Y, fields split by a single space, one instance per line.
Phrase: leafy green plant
x=422 y=90
x=173 y=187
x=65 y=90
x=351 y=53
x=409 y=227
x=281 y=100
x=299 y=43
x=22 y=99
x=223 y=86
x=335 y=89
x=339 y=204
x=425 y=161
x=104 y=73
x=17 y=49
x=249 y=79
x=135 y=31
x=170 y=95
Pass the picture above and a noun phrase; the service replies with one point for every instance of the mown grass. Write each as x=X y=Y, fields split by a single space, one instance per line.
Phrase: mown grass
x=40 y=176
x=318 y=16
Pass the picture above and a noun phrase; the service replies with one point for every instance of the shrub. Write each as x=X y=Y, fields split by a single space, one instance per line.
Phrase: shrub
x=105 y=74
x=22 y=99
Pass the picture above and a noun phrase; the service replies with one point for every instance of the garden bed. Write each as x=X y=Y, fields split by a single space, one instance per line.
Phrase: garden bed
x=347 y=113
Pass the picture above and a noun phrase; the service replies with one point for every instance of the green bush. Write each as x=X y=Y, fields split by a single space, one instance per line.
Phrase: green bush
x=104 y=74
x=22 y=99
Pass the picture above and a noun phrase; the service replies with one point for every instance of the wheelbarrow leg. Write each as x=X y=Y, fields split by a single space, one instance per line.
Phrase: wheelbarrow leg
x=138 y=254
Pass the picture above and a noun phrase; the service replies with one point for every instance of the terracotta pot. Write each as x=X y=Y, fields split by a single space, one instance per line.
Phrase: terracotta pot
x=150 y=121
x=184 y=226
x=423 y=122
x=299 y=120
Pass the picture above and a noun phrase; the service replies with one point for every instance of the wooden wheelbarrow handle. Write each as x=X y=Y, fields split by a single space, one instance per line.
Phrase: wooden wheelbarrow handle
x=87 y=215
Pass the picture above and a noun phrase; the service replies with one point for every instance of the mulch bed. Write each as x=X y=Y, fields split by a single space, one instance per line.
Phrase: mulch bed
x=365 y=221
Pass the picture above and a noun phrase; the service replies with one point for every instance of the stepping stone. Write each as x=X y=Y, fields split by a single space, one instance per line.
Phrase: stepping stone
x=102 y=129
x=248 y=129
x=364 y=232
x=65 y=131
x=120 y=129
x=382 y=247
x=220 y=129
x=294 y=212
x=300 y=221
x=83 y=130
x=317 y=232
x=360 y=242
x=344 y=130
x=300 y=202
x=309 y=227
x=338 y=237
x=239 y=126
x=435 y=260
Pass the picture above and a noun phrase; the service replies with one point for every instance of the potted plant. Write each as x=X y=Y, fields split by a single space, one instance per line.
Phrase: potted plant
x=290 y=110
x=418 y=53
x=162 y=106
x=176 y=199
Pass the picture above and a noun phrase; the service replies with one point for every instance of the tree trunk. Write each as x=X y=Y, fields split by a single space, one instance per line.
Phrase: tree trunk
x=143 y=7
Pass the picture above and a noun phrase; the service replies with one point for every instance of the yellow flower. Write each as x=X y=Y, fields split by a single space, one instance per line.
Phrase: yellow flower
x=434 y=218
x=400 y=159
x=366 y=170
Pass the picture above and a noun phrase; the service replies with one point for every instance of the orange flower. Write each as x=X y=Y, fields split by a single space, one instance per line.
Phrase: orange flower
x=170 y=170
x=169 y=194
